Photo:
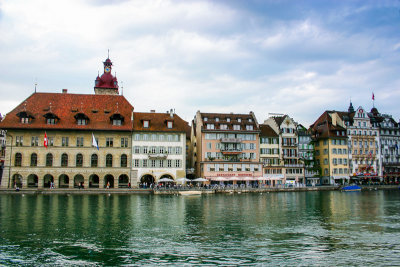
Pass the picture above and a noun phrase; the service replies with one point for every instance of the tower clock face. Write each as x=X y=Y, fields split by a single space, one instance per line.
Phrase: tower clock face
x=107 y=69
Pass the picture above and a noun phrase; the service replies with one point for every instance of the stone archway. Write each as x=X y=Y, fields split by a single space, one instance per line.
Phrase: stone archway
x=16 y=181
x=146 y=180
x=94 y=181
x=78 y=180
x=33 y=180
x=123 y=181
x=109 y=181
x=47 y=180
x=63 y=181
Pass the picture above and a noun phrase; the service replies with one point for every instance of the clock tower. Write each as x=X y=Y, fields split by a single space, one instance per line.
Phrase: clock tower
x=106 y=84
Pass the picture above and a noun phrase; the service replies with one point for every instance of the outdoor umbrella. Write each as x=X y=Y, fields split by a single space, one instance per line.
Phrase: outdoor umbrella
x=183 y=180
x=165 y=180
x=200 y=180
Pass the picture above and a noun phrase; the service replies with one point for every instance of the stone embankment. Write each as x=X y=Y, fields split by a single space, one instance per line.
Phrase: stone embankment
x=186 y=191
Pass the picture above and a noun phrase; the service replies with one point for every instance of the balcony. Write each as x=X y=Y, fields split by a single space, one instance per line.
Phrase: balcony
x=290 y=156
x=157 y=155
x=231 y=140
x=231 y=151
x=289 y=144
x=294 y=165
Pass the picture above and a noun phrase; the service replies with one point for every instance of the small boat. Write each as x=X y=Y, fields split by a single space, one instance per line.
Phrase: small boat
x=190 y=192
x=351 y=188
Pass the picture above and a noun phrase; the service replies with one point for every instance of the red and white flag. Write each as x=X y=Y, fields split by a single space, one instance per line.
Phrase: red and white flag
x=45 y=141
x=373 y=96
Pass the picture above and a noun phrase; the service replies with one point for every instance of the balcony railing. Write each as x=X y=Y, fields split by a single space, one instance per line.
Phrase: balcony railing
x=231 y=140
x=294 y=165
x=290 y=144
x=157 y=155
x=231 y=150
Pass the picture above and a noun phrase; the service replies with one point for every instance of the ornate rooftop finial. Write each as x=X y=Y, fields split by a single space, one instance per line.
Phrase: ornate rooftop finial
x=108 y=53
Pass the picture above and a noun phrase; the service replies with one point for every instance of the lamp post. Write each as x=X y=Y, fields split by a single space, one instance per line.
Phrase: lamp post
x=9 y=167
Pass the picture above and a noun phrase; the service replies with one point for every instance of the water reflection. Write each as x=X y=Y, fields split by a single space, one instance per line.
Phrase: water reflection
x=277 y=228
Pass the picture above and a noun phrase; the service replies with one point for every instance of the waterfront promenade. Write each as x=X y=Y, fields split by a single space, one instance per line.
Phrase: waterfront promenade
x=174 y=191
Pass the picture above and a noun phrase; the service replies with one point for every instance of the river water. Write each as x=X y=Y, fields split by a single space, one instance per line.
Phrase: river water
x=291 y=228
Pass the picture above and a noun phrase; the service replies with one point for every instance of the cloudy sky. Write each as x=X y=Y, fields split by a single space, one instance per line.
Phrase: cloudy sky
x=294 y=57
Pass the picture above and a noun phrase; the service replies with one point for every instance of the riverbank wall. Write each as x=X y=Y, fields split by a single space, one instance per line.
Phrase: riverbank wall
x=187 y=191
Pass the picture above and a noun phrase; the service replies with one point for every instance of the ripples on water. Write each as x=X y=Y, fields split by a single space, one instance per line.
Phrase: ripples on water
x=293 y=228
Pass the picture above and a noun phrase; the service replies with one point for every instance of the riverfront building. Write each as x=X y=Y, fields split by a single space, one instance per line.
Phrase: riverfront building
x=331 y=148
x=363 y=145
x=288 y=140
x=270 y=156
x=158 y=147
x=306 y=156
x=52 y=138
x=226 y=147
x=389 y=142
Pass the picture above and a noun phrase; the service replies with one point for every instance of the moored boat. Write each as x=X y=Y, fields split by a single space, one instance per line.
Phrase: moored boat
x=350 y=188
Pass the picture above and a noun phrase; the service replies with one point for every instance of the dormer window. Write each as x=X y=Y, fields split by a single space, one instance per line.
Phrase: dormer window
x=239 y=120
x=216 y=119
x=146 y=124
x=228 y=119
x=169 y=124
x=81 y=119
x=81 y=122
x=117 y=119
x=250 y=120
x=205 y=119
x=25 y=116
x=51 y=118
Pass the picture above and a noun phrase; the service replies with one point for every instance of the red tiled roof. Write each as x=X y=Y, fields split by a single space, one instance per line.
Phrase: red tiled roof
x=323 y=128
x=158 y=122
x=98 y=108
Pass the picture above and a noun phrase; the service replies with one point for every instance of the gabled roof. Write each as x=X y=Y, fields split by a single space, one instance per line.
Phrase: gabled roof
x=267 y=131
x=98 y=108
x=158 y=122
x=279 y=119
x=323 y=127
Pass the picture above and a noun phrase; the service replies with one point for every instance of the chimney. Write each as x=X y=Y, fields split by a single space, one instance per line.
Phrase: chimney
x=64 y=91
x=152 y=111
x=171 y=113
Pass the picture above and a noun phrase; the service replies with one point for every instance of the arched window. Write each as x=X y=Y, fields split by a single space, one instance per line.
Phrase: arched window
x=79 y=160
x=124 y=160
x=49 y=160
x=33 y=159
x=64 y=160
x=18 y=159
x=94 y=160
x=109 y=160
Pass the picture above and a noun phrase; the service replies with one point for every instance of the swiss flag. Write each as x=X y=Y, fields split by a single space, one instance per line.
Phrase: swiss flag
x=45 y=141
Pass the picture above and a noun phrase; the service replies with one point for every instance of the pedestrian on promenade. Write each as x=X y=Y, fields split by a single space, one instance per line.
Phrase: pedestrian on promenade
x=108 y=185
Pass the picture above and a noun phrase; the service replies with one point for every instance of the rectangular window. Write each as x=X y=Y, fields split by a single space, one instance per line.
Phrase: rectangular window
x=169 y=163
x=124 y=142
x=161 y=163
x=178 y=150
x=177 y=163
x=35 y=141
x=19 y=140
x=145 y=163
x=210 y=126
x=50 y=141
x=145 y=150
x=136 y=162
x=236 y=127
x=145 y=124
x=136 y=149
x=223 y=127
x=169 y=125
x=64 y=141
x=109 y=142
x=79 y=141
x=208 y=145
x=153 y=163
